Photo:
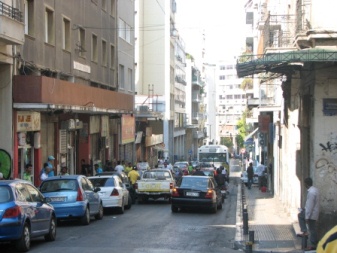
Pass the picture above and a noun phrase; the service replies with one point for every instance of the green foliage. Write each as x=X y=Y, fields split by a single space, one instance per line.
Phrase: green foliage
x=242 y=128
x=227 y=141
x=247 y=84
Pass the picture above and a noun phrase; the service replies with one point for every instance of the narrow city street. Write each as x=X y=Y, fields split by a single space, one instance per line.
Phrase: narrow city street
x=150 y=227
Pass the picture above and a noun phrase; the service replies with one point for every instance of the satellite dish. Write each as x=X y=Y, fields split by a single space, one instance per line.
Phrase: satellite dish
x=5 y=164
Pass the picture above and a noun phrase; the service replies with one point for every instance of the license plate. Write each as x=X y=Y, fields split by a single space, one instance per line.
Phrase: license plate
x=192 y=194
x=57 y=199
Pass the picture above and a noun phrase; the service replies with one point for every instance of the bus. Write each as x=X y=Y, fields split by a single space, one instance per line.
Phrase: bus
x=218 y=155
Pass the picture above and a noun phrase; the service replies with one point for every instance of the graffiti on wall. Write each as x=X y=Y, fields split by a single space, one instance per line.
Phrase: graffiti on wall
x=326 y=169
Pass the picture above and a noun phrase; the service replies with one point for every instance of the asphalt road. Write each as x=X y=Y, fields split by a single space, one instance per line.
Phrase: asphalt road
x=147 y=228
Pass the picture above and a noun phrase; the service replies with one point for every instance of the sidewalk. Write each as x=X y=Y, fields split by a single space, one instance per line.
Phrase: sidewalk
x=273 y=229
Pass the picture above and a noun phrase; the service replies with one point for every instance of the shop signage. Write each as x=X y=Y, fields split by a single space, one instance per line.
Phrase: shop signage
x=28 y=121
x=128 y=129
x=82 y=67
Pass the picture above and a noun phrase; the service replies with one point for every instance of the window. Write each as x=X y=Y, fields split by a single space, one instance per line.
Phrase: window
x=81 y=43
x=121 y=28
x=222 y=77
x=104 y=54
x=229 y=96
x=112 y=56
x=66 y=35
x=222 y=67
x=124 y=30
x=113 y=8
x=35 y=195
x=130 y=79
x=94 y=49
x=49 y=26
x=121 y=77
x=29 y=17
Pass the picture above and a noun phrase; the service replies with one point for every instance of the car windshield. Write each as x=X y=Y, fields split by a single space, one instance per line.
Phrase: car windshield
x=102 y=182
x=5 y=194
x=198 y=183
x=157 y=174
x=59 y=185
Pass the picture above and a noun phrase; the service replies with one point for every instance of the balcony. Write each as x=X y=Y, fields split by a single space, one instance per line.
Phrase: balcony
x=198 y=135
x=11 y=25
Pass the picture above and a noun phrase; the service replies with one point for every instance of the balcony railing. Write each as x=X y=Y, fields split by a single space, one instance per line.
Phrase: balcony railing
x=279 y=31
x=11 y=12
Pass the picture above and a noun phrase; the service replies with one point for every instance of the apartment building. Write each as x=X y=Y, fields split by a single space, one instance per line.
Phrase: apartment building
x=160 y=80
x=73 y=85
x=231 y=102
x=296 y=49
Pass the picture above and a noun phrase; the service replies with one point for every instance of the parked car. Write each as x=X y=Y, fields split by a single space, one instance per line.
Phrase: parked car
x=24 y=214
x=125 y=181
x=73 y=197
x=113 y=193
x=197 y=192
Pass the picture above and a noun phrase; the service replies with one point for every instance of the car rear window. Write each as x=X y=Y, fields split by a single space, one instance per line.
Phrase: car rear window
x=5 y=194
x=157 y=175
x=59 y=185
x=102 y=182
x=194 y=182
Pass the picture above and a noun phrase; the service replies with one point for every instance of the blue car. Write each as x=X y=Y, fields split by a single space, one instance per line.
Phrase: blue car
x=24 y=214
x=73 y=197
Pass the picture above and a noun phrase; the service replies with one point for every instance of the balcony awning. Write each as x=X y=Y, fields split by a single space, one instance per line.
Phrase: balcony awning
x=282 y=62
x=247 y=138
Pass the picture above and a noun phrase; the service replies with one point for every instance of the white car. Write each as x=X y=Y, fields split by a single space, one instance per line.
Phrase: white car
x=244 y=177
x=113 y=193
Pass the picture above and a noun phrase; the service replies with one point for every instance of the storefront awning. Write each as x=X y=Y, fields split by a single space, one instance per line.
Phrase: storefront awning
x=282 y=62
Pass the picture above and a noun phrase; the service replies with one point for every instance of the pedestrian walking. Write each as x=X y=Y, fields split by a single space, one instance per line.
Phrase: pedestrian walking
x=250 y=175
x=45 y=172
x=309 y=215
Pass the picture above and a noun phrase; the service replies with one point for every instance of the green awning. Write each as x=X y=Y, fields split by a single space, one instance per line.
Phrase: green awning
x=281 y=62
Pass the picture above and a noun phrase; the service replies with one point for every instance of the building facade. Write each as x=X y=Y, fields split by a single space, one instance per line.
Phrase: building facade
x=70 y=97
x=301 y=54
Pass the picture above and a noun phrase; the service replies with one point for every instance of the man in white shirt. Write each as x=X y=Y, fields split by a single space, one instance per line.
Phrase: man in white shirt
x=309 y=215
x=119 y=167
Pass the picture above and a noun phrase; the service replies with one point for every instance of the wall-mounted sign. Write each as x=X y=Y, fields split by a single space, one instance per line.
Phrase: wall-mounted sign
x=82 y=67
x=329 y=106
x=128 y=129
x=28 y=121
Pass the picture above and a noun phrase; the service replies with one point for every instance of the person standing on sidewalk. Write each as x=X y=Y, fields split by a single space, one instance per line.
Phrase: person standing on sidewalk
x=309 y=215
x=250 y=175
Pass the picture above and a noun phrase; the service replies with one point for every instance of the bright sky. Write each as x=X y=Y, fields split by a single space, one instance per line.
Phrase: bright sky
x=223 y=22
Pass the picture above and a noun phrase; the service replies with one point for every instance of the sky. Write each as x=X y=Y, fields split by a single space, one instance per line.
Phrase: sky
x=222 y=22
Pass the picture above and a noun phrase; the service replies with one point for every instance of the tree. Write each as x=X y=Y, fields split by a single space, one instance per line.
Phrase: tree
x=227 y=141
x=242 y=130
x=247 y=84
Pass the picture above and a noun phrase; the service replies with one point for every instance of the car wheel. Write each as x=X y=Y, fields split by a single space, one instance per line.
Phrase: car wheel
x=51 y=236
x=85 y=220
x=174 y=209
x=23 y=244
x=99 y=216
x=128 y=206
x=121 y=209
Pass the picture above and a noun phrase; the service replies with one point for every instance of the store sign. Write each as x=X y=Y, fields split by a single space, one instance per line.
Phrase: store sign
x=128 y=129
x=28 y=121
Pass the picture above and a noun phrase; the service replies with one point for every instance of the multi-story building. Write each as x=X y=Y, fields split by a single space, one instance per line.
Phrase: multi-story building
x=297 y=53
x=160 y=77
x=73 y=93
x=231 y=102
x=195 y=109
x=11 y=37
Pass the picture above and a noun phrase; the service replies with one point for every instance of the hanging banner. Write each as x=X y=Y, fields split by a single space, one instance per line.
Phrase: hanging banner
x=128 y=129
x=264 y=121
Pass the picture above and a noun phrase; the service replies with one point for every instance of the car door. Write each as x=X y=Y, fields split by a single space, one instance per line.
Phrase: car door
x=92 y=196
x=42 y=212
x=27 y=206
